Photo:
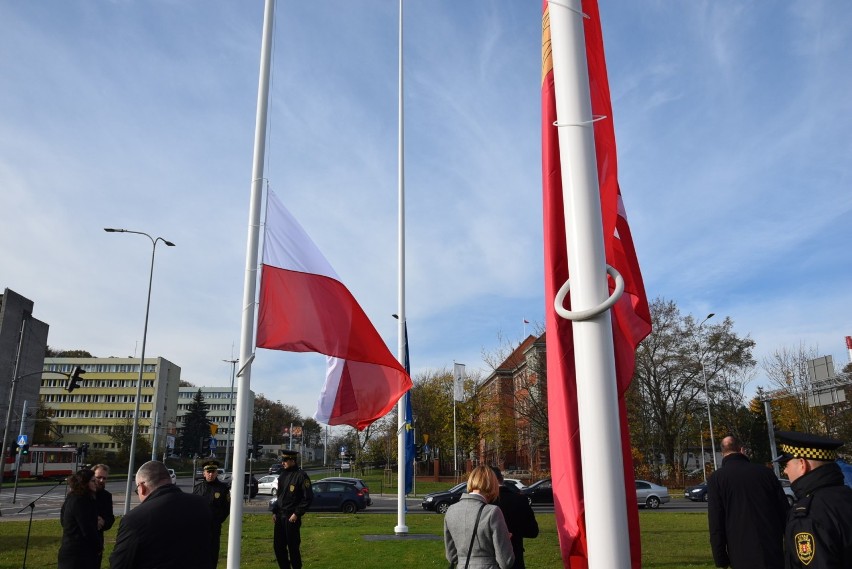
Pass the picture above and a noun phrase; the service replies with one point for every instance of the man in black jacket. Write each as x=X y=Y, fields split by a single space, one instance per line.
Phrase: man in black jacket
x=294 y=497
x=819 y=525
x=103 y=498
x=746 y=509
x=170 y=529
x=519 y=517
x=218 y=496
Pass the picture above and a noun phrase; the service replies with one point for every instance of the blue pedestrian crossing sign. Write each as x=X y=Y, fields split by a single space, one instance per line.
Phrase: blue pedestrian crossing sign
x=22 y=440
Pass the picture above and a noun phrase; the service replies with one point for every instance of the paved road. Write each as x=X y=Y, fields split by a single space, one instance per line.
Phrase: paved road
x=48 y=498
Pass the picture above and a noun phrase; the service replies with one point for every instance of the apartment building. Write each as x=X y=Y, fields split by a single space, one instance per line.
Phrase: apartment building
x=107 y=397
x=221 y=411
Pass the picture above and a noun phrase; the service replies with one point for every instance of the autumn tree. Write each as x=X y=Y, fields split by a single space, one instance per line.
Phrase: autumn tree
x=270 y=418
x=673 y=365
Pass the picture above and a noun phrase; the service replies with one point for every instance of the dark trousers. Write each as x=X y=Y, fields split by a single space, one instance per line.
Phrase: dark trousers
x=286 y=541
x=215 y=539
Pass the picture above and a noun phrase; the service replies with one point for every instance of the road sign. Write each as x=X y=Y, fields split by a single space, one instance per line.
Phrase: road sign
x=22 y=440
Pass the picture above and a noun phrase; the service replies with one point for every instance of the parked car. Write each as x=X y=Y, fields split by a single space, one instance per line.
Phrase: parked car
x=540 y=492
x=342 y=465
x=359 y=484
x=337 y=496
x=172 y=475
x=517 y=483
x=651 y=495
x=250 y=487
x=268 y=484
x=696 y=493
x=276 y=468
x=440 y=501
x=788 y=490
x=522 y=474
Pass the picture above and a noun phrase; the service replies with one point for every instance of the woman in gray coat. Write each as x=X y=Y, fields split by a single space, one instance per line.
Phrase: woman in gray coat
x=492 y=546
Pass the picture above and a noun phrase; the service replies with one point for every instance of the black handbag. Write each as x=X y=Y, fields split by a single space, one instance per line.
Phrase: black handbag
x=472 y=539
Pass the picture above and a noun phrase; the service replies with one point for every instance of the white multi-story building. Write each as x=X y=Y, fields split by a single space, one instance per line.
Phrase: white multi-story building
x=221 y=411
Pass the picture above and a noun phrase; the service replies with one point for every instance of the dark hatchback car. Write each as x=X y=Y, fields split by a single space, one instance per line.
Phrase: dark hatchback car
x=359 y=484
x=540 y=492
x=440 y=501
x=337 y=496
x=334 y=497
x=696 y=493
x=276 y=468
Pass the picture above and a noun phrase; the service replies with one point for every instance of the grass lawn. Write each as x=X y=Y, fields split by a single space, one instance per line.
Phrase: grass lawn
x=331 y=541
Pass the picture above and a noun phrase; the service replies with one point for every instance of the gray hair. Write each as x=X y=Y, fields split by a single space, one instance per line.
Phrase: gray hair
x=154 y=474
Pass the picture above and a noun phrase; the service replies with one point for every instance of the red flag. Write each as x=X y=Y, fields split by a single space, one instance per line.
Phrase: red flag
x=631 y=319
x=305 y=308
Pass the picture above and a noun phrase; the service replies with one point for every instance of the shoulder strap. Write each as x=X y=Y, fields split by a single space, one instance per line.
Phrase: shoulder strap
x=473 y=537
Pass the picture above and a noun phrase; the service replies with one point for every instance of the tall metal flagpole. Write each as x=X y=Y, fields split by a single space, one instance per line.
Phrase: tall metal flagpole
x=235 y=524
x=401 y=528
x=597 y=397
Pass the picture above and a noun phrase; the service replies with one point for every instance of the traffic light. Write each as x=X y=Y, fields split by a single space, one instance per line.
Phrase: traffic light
x=74 y=379
x=25 y=449
x=418 y=453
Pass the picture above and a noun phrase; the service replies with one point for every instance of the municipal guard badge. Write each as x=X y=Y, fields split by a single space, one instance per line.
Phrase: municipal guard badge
x=216 y=495
x=805 y=547
x=292 y=487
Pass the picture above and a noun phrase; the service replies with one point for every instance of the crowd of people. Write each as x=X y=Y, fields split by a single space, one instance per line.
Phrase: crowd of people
x=751 y=524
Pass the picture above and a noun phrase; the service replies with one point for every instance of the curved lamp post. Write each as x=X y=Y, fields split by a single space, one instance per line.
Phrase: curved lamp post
x=131 y=466
x=707 y=393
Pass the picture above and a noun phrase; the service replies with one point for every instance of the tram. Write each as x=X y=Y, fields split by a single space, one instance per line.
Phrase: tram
x=43 y=462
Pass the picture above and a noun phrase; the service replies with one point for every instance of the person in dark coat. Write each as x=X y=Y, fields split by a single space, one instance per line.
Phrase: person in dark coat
x=519 y=516
x=746 y=508
x=81 y=541
x=103 y=499
x=170 y=529
x=218 y=496
x=819 y=525
x=293 y=498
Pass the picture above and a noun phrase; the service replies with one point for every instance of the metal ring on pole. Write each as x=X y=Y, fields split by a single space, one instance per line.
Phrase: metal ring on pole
x=595 y=119
x=580 y=315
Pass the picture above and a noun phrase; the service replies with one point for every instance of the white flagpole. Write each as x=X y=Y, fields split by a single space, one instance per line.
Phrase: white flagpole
x=235 y=524
x=597 y=397
x=401 y=528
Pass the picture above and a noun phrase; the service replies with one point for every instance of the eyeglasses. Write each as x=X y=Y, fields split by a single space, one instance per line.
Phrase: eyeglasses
x=100 y=477
x=138 y=484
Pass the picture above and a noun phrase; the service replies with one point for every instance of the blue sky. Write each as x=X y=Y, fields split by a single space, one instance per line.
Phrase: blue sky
x=732 y=119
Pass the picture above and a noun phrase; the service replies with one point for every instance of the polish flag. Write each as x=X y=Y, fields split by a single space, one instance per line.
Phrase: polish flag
x=304 y=307
x=631 y=319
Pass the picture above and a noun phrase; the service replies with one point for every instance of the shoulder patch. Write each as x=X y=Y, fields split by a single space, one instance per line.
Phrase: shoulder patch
x=805 y=547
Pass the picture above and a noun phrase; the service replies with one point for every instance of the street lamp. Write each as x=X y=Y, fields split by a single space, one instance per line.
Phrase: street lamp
x=707 y=393
x=131 y=466
x=230 y=413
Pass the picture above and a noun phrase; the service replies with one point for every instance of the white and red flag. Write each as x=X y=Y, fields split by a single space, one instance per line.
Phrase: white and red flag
x=304 y=307
x=630 y=316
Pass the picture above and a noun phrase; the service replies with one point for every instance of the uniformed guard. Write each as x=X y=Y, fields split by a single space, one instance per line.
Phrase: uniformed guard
x=218 y=496
x=819 y=525
x=293 y=499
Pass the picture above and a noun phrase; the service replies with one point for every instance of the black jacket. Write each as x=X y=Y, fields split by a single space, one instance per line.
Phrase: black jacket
x=169 y=530
x=218 y=496
x=819 y=526
x=81 y=542
x=294 y=493
x=520 y=520
x=746 y=508
x=103 y=499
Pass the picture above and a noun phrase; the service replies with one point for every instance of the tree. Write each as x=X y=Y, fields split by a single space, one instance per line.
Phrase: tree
x=668 y=393
x=270 y=418
x=122 y=435
x=51 y=353
x=45 y=430
x=196 y=427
